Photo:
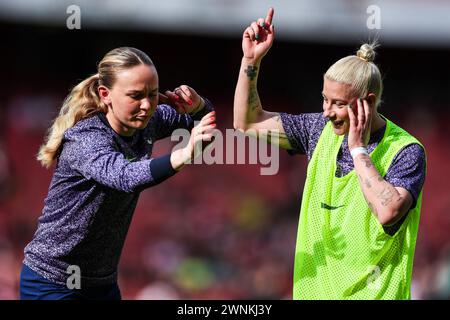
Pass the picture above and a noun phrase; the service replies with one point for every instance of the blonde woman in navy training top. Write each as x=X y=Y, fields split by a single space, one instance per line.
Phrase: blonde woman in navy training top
x=101 y=143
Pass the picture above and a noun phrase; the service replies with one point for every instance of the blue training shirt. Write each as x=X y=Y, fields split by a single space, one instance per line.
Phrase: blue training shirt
x=93 y=194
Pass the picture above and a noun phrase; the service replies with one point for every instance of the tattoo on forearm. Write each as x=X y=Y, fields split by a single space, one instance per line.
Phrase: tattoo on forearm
x=367 y=182
x=253 y=99
x=367 y=161
x=251 y=72
x=386 y=196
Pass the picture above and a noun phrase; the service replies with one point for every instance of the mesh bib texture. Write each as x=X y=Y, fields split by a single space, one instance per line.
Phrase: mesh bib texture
x=342 y=250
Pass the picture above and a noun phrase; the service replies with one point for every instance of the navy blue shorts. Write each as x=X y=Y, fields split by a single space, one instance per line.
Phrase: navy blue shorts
x=35 y=287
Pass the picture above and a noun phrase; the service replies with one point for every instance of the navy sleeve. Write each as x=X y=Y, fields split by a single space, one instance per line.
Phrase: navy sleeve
x=208 y=107
x=91 y=152
x=167 y=119
x=408 y=170
x=303 y=131
x=161 y=168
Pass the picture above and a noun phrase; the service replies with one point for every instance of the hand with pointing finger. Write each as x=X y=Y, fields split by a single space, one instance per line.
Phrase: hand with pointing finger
x=258 y=37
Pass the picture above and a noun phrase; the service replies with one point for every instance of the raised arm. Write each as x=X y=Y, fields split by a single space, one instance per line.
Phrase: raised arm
x=249 y=115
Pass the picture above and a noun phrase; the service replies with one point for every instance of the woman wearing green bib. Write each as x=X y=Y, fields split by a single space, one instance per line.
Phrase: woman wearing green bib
x=361 y=201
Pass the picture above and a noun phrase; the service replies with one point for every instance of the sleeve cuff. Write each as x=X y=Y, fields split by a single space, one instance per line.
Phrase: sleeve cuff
x=161 y=168
x=208 y=107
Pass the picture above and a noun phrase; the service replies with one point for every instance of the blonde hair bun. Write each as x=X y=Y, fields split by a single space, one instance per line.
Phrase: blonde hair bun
x=359 y=71
x=367 y=52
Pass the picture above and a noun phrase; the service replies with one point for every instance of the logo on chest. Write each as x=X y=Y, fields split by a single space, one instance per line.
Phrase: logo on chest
x=328 y=207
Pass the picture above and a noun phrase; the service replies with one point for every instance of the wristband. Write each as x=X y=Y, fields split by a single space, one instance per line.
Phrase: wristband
x=197 y=109
x=354 y=152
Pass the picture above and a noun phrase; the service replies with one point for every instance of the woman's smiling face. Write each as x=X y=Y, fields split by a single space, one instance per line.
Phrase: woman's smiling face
x=336 y=98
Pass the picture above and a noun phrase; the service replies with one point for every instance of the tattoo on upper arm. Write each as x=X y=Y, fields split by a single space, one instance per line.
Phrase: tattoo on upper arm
x=269 y=137
x=368 y=184
x=251 y=72
x=279 y=137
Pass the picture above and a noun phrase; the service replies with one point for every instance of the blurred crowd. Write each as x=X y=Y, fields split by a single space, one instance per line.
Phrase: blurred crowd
x=211 y=231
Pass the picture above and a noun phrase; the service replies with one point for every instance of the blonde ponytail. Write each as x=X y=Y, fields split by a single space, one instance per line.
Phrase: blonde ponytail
x=84 y=101
x=81 y=103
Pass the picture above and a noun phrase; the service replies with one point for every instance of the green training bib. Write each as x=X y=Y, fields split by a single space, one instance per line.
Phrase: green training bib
x=342 y=250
